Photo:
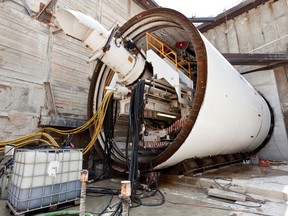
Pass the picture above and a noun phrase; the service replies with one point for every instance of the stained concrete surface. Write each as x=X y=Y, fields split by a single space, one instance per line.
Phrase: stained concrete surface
x=175 y=204
x=188 y=195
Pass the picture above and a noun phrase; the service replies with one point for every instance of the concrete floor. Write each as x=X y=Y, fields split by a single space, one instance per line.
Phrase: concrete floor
x=188 y=195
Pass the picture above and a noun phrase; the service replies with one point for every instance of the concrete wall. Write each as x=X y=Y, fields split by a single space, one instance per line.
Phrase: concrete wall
x=32 y=53
x=262 y=30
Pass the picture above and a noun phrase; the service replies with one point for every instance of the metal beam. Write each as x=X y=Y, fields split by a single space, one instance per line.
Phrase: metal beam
x=146 y=4
x=46 y=13
x=57 y=121
x=255 y=58
x=268 y=67
x=202 y=19
x=231 y=13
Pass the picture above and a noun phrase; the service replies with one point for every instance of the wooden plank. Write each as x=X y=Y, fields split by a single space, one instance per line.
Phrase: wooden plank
x=114 y=12
x=232 y=37
x=24 y=22
x=59 y=121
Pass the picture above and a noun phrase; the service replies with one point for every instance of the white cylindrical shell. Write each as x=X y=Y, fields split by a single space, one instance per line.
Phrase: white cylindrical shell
x=79 y=25
x=233 y=117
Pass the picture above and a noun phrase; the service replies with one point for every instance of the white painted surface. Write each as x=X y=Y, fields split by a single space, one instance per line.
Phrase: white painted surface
x=261 y=30
x=233 y=117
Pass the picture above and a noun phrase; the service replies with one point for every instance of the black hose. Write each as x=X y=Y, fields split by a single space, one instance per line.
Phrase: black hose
x=136 y=118
x=109 y=136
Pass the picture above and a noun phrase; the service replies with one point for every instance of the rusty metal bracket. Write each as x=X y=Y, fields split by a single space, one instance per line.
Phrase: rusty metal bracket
x=46 y=13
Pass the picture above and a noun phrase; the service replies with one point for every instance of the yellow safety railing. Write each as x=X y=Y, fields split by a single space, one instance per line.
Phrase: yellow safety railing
x=167 y=52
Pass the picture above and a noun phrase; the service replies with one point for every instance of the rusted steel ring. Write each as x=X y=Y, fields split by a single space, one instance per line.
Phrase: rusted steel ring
x=170 y=18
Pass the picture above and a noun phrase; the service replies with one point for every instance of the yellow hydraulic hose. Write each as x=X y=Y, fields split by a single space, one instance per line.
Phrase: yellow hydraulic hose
x=34 y=141
x=25 y=138
x=21 y=139
x=96 y=120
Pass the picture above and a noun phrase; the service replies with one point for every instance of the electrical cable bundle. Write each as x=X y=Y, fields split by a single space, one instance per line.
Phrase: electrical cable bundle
x=139 y=195
x=109 y=137
x=136 y=119
x=96 y=121
x=29 y=139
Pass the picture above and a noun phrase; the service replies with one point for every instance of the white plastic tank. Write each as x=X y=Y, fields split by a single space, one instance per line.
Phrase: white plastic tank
x=44 y=177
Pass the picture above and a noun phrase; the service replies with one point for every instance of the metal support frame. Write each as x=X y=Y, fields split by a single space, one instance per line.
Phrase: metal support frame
x=256 y=59
x=231 y=13
x=46 y=13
